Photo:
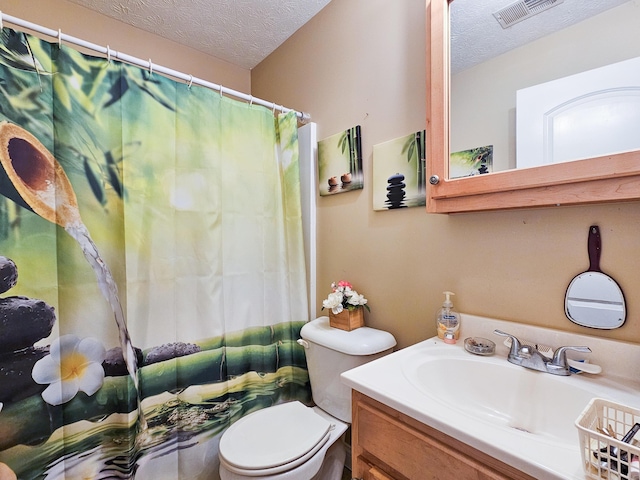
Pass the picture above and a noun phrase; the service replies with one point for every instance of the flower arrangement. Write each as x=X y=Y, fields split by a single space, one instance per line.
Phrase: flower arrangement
x=343 y=296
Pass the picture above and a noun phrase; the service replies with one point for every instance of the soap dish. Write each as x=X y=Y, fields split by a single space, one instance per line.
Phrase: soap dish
x=479 y=346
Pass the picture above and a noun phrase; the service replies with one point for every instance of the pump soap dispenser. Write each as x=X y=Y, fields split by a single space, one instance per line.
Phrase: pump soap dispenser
x=448 y=321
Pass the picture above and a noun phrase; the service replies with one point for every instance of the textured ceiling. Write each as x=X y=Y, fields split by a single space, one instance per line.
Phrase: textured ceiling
x=242 y=32
x=477 y=36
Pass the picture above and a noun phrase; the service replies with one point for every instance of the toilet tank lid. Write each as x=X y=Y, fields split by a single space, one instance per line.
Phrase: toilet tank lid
x=361 y=341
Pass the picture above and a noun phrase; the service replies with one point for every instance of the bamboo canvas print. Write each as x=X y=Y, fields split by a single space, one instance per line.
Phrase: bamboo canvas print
x=468 y=163
x=340 y=162
x=399 y=173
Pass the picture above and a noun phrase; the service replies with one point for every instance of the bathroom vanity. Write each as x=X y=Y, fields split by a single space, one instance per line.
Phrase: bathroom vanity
x=388 y=445
x=434 y=410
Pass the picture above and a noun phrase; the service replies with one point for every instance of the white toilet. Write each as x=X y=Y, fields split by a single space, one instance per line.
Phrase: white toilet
x=290 y=440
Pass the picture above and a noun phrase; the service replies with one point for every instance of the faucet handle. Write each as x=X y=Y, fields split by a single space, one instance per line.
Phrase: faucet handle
x=560 y=355
x=515 y=343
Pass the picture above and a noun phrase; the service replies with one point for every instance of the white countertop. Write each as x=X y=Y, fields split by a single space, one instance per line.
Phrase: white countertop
x=386 y=381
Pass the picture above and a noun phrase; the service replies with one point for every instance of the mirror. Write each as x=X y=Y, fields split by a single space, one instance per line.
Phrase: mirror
x=606 y=177
x=505 y=82
x=593 y=298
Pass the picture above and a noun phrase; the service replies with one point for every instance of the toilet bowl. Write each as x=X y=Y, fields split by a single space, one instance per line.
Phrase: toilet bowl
x=291 y=441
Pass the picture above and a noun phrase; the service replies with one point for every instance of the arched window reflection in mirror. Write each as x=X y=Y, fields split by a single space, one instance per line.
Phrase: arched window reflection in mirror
x=483 y=107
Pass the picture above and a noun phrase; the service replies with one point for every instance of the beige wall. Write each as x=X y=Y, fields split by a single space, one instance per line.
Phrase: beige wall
x=363 y=62
x=83 y=23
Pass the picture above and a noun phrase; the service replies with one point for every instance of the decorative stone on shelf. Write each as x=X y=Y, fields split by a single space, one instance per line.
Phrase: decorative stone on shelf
x=347 y=319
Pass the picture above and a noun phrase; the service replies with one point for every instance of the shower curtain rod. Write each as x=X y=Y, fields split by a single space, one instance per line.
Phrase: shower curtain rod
x=189 y=79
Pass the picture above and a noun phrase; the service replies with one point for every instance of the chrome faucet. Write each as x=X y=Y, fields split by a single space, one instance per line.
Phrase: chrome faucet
x=528 y=356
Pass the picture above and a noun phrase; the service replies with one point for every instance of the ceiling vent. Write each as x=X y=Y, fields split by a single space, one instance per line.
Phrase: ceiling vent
x=522 y=10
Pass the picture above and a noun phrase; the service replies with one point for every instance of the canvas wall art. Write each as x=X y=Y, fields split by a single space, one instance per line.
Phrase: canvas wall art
x=340 y=162
x=468 y=163
x=399 y=173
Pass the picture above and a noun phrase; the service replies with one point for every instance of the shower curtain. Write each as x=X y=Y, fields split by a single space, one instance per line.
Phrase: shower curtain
x=187 y=222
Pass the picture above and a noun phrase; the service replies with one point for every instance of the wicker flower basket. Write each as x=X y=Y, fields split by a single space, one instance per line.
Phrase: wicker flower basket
x=347 y=319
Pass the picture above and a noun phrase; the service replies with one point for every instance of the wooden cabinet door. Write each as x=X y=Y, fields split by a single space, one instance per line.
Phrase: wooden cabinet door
x=388 y=445
x=371 y=472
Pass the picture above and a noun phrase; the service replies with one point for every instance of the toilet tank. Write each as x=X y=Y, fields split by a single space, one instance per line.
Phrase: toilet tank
x=331 y=351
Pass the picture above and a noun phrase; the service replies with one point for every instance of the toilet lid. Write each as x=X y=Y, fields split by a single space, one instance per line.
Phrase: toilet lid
x=274 y=437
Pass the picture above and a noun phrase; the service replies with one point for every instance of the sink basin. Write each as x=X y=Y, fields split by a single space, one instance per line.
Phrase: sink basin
x=490 y=389
x=522 y=417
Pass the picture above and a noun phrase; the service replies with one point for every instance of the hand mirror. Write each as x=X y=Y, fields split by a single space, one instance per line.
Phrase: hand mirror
x=593 y=298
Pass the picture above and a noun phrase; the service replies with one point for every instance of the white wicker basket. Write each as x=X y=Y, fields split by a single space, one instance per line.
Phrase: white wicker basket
x=602 y=455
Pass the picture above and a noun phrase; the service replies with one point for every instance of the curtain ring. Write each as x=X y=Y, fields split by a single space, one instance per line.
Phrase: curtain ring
x=273 y=108
x=150 y=68
x=108 y=54
x=190 y=81
x=251 y=100
x=221 y=87
x=1 y=24
x=59 y=37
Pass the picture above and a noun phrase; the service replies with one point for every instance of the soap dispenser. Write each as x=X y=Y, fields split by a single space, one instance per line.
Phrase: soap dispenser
x=448 y=321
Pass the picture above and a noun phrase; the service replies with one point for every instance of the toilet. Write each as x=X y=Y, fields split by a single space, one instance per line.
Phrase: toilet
x=291 y=441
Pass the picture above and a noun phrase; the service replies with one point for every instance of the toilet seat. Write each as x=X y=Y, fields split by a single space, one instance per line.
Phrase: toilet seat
x=273 y=440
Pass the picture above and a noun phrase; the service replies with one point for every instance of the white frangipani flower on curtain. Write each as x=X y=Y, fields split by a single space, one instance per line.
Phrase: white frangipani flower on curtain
x=73 y=365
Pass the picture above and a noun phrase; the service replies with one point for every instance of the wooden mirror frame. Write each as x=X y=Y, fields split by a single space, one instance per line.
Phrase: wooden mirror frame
x=611 y=178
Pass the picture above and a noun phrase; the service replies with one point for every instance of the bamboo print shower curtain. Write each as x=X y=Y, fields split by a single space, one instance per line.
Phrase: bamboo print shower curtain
x=190 y=202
